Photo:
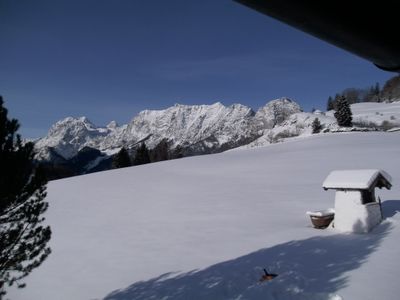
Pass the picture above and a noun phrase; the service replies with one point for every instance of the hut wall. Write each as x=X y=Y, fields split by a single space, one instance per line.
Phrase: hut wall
x=353 y=216
x=374 y=215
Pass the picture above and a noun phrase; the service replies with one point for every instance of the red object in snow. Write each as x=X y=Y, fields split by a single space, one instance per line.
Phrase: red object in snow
x=267 y=276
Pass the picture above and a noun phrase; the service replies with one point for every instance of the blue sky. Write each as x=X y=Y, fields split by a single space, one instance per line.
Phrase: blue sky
x=108 y=60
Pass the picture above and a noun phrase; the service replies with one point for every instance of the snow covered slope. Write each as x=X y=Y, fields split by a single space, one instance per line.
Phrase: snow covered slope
x=218 y=220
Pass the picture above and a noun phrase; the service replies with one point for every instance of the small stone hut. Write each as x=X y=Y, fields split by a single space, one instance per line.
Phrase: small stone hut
x=356 y=206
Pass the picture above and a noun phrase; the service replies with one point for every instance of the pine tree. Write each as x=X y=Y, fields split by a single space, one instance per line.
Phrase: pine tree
x=121 y=159
x=343 y=112
x=369 y=97
x=377 y=89
x=160 y=152
x=330 y=104
x=352 y=95
x=142 y=155
x=377 y=92
x=337 y=96
x=316 y=126
x=23 y=242
x=178 y=152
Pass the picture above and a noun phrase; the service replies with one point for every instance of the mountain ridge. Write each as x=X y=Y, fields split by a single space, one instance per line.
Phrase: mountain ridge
x=184 y=125
x=193 y=130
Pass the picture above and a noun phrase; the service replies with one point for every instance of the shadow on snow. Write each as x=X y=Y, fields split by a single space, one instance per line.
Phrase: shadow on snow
x=313 y=268
x=390 y=208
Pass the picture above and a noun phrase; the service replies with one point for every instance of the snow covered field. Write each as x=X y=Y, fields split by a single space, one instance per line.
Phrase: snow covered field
x=205 y=227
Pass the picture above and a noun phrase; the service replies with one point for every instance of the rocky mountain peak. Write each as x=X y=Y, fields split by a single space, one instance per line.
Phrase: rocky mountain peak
x=112 y=125
x=69 y=135
x=276 y=111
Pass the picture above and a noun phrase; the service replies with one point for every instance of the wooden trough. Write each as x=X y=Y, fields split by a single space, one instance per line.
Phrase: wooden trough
x=321 y=218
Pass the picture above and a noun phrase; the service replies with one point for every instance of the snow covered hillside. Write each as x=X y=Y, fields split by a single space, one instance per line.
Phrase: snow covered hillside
x=366 y=117
x=375 y=113
x=205 y=227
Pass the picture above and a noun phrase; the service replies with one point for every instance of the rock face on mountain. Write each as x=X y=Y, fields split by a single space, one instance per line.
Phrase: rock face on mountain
x=198 y=127
x=276 y=112
x=195 y=129
x=70 y=135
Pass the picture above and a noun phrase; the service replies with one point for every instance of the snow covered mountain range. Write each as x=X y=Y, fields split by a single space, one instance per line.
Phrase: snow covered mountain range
x=196 y=129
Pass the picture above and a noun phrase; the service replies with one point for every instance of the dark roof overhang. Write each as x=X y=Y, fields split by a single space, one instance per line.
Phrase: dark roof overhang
x=367 y=29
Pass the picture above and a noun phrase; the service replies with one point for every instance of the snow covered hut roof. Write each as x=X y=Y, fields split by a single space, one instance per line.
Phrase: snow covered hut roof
x=357 y=179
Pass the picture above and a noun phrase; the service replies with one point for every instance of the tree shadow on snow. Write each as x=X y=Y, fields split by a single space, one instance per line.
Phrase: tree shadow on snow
x=313 y=268
x=390 y=208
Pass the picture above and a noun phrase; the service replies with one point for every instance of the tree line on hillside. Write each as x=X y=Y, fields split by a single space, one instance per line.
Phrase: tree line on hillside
x=353 y=95
x=389 y=92
x=143 y=155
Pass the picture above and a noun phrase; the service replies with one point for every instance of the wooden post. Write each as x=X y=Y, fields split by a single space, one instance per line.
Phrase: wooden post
x=380 y=207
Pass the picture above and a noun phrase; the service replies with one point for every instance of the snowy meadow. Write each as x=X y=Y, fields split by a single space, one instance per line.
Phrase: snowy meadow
x=205 y=227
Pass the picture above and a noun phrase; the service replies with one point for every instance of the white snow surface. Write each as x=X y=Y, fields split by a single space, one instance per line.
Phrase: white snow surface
x=321 y=213
x=205 y=227
x=353 y=179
